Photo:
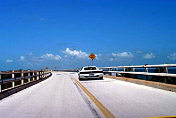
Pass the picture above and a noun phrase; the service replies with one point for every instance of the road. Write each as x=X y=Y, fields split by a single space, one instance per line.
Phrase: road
x=60 y=96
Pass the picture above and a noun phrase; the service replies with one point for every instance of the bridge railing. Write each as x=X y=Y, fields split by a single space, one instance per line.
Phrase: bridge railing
x=160 y=71
x=13 y=79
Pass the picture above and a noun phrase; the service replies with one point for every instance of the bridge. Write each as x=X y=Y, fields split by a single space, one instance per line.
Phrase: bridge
x=60 y=94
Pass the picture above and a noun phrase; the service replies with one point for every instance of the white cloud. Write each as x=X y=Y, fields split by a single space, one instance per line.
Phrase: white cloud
x=57 y=57
x=76 y=53
x=98 y=56
x=51 y=57
x=123 y=55
x=9 y=60
x=21 y=58
x=149 y=56
x=172 y=56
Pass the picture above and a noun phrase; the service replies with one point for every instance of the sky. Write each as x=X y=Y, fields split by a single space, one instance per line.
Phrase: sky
x=35 y=34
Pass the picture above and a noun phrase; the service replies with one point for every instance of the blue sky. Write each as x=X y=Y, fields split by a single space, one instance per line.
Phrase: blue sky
x=41 y=33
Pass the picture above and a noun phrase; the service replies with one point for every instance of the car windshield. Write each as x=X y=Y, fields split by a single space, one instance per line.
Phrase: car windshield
x=90 y=68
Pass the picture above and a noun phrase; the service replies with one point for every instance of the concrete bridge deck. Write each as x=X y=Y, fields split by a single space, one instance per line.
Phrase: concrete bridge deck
x=61 y=97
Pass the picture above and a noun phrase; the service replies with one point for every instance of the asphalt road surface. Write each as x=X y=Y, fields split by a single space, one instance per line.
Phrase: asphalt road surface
x=64 y=96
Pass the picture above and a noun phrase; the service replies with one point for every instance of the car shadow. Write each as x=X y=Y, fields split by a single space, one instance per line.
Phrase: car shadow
x=90 y=79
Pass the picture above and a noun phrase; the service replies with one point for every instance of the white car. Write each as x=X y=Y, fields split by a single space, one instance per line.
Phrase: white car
x=90 y=72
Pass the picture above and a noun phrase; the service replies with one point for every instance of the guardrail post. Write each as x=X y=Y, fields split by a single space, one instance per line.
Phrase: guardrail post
x=37 y=75
x=124 y=69
x=166 y=69
x=13 y=76
x=146 y=70
x=109 y=70
x=13 y=84
x=22 y=75
x=33 y=78
x=146 y=76
x=43 y=74
x=29 y=75
x=40 y=74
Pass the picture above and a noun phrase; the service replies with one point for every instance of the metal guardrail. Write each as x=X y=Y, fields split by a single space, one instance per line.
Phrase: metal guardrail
x=143 y=73
x=146 y=67
x=36 y=75
x=143 y=66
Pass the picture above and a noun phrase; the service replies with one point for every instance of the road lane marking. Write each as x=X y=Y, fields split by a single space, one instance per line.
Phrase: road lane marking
x=88 y=101
x=102 y=108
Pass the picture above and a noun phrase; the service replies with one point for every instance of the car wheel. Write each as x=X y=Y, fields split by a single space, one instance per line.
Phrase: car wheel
x=101 y=78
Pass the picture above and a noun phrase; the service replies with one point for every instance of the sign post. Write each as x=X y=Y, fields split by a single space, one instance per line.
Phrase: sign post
x=54 y=67
x=92 y=56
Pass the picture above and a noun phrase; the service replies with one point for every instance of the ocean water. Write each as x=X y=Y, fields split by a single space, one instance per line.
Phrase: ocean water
x=152 y=70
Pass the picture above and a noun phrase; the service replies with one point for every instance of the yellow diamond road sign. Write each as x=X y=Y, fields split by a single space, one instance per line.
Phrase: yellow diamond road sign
x=92 y=56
